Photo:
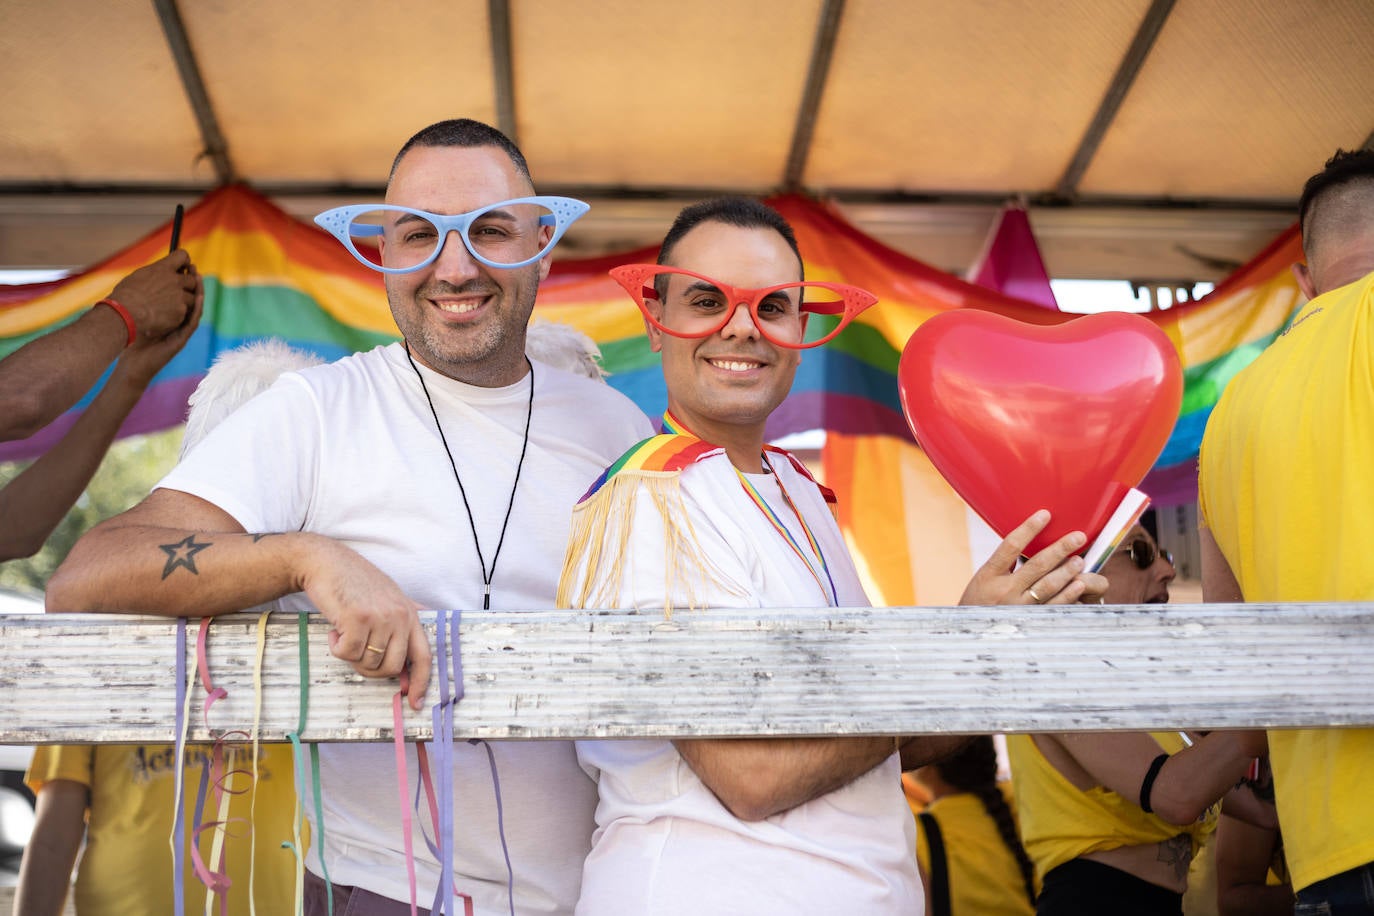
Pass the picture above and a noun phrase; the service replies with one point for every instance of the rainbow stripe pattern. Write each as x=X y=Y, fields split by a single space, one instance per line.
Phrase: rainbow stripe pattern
x=850 y=385
x=663 y=454
x=268 y=274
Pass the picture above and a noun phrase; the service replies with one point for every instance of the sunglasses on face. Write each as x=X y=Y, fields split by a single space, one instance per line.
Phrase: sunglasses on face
x=1144 y=552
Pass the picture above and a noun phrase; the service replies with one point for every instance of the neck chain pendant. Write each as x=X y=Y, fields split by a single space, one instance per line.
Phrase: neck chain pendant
x=487 y=574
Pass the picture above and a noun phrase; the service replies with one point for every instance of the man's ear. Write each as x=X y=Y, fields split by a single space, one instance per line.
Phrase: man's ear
x=655 y=336
x=546 y=262
x=1303 y=274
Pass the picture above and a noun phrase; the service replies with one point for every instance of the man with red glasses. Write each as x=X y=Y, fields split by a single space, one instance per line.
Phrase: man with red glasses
x=1286 y=489
x=708 y=516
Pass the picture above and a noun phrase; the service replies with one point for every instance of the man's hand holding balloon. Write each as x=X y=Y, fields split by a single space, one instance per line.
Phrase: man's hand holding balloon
x=1018 y=416
x=1053 y=576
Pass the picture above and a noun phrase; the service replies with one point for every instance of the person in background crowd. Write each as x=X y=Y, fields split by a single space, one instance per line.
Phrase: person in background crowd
x=143 y=323
x=1252 y=873
x=1114 y=820
x=1139 y=571
x=967 y=846
x=119 y=798
x=1285 y=487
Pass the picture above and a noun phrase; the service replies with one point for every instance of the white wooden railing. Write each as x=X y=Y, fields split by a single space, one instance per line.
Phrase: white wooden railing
x=84 y=678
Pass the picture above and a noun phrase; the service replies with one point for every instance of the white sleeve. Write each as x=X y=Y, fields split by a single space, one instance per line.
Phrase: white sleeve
x=261 y=463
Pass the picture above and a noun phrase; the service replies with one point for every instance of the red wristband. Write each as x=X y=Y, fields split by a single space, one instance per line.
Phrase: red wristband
x=123 y=314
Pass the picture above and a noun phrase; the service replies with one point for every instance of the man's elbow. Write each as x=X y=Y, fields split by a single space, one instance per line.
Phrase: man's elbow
x=57 y=596
x=755 y=798
x=749 y=805
x=20 y=545
x=65 y=591
x=23 y=416
x=745 y=775
x=1178 y=811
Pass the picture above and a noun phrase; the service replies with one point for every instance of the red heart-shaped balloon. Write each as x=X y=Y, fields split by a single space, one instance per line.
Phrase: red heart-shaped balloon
x=1020 y=417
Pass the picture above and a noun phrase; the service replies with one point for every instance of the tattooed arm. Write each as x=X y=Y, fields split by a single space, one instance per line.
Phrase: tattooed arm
x=149 y=560
x=175 y=554
x=1187 y=784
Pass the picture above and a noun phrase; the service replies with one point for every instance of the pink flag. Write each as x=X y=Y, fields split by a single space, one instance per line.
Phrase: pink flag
x=1010 y=262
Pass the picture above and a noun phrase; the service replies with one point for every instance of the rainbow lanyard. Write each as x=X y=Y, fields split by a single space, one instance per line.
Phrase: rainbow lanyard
x=676 y=427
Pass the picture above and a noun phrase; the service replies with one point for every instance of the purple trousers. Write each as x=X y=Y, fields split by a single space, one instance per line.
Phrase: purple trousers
x=351 y=901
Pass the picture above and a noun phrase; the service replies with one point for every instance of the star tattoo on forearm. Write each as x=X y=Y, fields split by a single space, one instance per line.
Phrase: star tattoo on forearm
x=182 y=554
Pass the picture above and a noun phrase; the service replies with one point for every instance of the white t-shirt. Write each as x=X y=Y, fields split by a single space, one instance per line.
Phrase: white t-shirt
x=664 y=844
x=350 y=450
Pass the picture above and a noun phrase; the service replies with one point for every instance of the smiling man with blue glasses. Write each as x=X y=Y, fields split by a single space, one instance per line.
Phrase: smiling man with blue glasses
x=438 y=472
x=462 y=259
x=508 y=234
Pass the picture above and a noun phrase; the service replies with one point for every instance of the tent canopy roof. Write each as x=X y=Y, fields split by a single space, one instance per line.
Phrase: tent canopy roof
x=1134 y=128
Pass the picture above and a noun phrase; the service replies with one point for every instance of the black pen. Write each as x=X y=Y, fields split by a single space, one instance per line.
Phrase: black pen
x=176 y=228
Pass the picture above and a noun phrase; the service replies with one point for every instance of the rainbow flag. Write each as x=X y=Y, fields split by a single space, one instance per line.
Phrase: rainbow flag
x=850 y=385
x=913 y=539
x=268 y=274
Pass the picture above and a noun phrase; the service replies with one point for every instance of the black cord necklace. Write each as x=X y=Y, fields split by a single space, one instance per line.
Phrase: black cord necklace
x=529 y=415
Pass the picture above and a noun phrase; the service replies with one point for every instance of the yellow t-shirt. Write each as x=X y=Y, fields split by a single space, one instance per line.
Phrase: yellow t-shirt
x=984 y=878
x=1287 y=488
x=127 y=864
x=1060 y=822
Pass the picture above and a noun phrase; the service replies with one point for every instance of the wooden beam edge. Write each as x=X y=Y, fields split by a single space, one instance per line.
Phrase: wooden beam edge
x=84 y=678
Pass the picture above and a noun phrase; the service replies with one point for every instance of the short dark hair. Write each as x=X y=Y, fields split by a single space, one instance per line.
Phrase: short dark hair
x=1345 y=167
x=741 y=212
x=1150 y=522
x=464 y=132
